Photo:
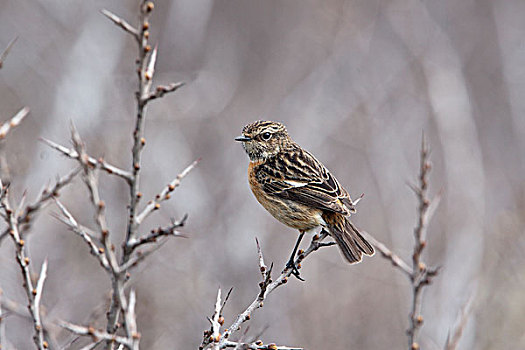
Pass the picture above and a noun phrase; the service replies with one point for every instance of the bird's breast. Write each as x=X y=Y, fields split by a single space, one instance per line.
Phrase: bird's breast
x=290 y=213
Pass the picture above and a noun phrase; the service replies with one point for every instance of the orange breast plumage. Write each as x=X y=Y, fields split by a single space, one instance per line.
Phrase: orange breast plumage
x=288 y=212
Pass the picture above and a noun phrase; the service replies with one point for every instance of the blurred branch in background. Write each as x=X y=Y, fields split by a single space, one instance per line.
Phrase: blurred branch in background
x=4 y=53
x=421 y=274
x=454 y=336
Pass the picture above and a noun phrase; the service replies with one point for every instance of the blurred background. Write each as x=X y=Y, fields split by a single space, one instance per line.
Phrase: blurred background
x=356 y=82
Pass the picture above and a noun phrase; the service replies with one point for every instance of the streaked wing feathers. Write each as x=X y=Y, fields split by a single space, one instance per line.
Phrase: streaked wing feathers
x=298 y=176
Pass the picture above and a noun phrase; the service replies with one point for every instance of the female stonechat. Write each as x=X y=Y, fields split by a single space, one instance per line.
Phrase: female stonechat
x=298 y=190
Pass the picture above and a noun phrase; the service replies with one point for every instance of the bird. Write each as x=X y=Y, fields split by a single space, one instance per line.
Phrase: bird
x=298 y=190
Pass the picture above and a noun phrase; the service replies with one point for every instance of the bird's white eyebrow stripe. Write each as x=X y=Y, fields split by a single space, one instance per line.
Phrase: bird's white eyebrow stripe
x=296 y=183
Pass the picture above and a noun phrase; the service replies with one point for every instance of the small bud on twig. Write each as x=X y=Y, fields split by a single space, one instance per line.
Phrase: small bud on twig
x=150 y=6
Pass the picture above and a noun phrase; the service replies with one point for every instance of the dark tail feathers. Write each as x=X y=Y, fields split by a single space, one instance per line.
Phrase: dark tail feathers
x=348 y=238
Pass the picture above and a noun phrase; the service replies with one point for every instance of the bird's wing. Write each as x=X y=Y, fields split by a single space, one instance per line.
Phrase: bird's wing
x=296 y=175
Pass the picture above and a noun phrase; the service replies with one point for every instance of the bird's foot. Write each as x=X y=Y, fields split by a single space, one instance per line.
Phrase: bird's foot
x=290 y=265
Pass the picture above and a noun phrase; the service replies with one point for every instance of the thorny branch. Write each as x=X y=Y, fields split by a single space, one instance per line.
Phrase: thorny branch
x=421 y=274
x=121 y=23
x=131 y=341
x=4 y=130
x=96 y=334
x=257 y=345
x=159 y=232
x=99 y=242
x=100 y=163
x=70 y=221
x=26 y=217
x=13 y=122
x=105 y=254
x=33 y=292
x=164 y=194
x=145 y=71
x=161 y=90
x=267 y=286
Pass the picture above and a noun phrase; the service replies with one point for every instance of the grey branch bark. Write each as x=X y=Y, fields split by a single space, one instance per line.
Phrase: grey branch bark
x=33 y=293
x=421 y=274
x=267 y=286
x=100 y=163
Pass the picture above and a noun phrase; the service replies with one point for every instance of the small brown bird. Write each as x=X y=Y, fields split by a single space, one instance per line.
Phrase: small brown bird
x=298 y=190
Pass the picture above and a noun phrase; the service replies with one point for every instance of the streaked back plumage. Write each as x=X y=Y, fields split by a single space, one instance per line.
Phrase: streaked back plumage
x=299 y=190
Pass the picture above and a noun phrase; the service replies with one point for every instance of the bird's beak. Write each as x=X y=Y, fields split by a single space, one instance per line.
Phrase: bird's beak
x=242 y=138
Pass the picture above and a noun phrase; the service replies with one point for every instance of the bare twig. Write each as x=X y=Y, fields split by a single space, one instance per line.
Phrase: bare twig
x=144 y=83
x=33 y=292
x=121 y=23
x=258 y=345
x=116 y=273
x=13 y=122
x=421 y=274
x=27 y=215
x=267 y=286
x=388 y=254
x=159 y=232
x=70 y=221
x=47 y=194
x=162 y=90
x=144 y=60
x=100 y=163
x=131 y=321
x=165 y=194
x=454 y=335
x=92 y=345
x=96 y=334
x=98 y=203
x=146 y=68
x=4 y=54
x=215 y=325
x=140 y=256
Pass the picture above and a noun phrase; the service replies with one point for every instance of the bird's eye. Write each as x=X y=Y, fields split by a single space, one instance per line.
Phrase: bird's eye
x=266 y=136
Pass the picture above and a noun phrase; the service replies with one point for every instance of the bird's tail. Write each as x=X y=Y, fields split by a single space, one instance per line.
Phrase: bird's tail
x=347 y=237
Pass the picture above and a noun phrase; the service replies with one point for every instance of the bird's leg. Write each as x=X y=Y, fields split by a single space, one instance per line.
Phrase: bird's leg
x=291 y=263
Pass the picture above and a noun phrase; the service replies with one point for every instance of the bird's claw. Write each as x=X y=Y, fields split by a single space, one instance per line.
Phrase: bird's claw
x=295 y=271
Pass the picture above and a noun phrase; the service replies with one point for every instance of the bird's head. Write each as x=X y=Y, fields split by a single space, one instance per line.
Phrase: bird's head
x=263 y=139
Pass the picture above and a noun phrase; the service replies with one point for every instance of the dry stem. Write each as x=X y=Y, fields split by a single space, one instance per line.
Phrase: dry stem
x=267 y=286
x=3 y=55
x=145 y=71
x=421 y=274
x=34 y=293
x=455 y=334
x=100 y=163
